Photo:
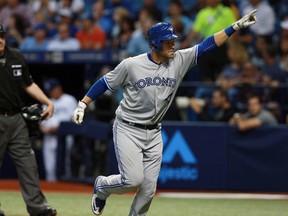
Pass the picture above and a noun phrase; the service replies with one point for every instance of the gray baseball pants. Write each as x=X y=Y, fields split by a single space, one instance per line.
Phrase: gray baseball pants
x=139 y=155
x=14 y=138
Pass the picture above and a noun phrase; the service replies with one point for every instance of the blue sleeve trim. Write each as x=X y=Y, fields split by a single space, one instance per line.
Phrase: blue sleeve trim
x=229 y=31
x=109 y=87
x=97 y=89
x=206 y=46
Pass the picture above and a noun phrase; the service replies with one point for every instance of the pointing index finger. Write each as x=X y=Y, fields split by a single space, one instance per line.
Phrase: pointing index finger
x=252 y=12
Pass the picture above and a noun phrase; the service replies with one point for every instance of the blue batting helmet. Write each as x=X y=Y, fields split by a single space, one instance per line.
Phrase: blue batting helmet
x=158 y=32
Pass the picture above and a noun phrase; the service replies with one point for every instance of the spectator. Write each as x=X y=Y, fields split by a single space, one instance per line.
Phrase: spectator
x=272 y=74
x=2 y=4
x=265 y=17
x=233 y=5
x=283 y=43
x=75 y=6
x=213 y=17
x=231 y=73
x=63 y=42
x=218 y=110
x=44 y=13
x=280 y=8
x=37 y=42
x=261 y=44
x=15 y=31
x=64 y=106
x=118 y=15
x=255 y=117
x=48 y=8
x=16 y=7
x=250 y=74
x=91 y=36
x=209 y=20
x=284 y=27
x=138 y=42
x=88 y=7
x=163 y=5
x=66 y=16
x=126 y=30
x=194 y=10
x=101 y=17
x=39 y=17
x=112 y=5
x=179 y=29
x=150 y=7
x=176 y=11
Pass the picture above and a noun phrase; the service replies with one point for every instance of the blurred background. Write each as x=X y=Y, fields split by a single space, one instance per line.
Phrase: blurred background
x=69 y=44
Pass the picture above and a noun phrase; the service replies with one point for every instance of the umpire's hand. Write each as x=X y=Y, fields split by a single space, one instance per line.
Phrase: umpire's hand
x=245 y=21
x=78 y=114
x=48 y=112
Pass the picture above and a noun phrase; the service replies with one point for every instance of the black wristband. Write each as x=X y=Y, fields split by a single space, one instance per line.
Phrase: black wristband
x=84 y=103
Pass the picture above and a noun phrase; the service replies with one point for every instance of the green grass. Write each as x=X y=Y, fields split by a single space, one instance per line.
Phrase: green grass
x=79 y=204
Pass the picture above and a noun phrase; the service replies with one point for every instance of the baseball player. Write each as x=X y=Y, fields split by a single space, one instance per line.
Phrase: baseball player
x=64 y=106
x=149 y=83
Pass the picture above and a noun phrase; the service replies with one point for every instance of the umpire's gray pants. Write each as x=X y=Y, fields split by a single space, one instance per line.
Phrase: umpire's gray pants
x=14 y=138
x=139 y=155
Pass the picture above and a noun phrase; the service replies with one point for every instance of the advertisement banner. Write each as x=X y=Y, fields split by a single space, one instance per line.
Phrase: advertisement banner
x=194 y=157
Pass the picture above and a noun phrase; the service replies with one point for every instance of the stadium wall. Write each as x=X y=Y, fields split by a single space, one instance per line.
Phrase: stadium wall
x=203 y=156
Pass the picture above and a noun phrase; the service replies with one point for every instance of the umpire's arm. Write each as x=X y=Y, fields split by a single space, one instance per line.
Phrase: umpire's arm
x=35 y=92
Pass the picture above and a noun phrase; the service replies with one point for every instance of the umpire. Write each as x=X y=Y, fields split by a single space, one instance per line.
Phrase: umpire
x=14 y=136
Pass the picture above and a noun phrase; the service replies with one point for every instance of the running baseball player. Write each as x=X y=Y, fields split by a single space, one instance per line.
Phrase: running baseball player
x=149 y=83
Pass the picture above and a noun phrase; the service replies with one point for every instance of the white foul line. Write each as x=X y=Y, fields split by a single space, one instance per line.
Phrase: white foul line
x=224 y=196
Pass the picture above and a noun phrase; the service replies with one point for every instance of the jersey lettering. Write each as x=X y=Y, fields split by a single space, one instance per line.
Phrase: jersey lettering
x=156 y=81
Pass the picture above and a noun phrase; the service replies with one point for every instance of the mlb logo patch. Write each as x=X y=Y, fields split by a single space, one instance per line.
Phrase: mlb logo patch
x=17 y=72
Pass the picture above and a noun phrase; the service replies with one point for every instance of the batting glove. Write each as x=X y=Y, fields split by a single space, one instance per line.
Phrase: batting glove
x=245 y=21
x=78 y=114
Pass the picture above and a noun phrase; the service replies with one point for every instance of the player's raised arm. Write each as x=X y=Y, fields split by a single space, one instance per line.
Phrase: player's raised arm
x=244 y=22
x=219 y=38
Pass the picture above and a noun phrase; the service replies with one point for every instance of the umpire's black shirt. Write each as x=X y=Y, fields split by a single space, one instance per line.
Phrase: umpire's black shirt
x=14 y=76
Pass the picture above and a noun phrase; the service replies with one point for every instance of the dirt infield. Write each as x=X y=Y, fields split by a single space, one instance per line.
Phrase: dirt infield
x=13 y=185
x=72 y=187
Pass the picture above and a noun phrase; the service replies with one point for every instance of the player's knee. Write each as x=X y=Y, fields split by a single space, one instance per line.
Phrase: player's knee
x=135 y=181
x=149 y=189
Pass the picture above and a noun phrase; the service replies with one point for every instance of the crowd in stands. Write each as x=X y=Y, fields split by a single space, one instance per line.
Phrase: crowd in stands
x=255 y=59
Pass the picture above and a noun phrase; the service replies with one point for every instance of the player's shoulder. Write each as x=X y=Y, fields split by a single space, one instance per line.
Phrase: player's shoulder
x=190 y=50
x=136 y=59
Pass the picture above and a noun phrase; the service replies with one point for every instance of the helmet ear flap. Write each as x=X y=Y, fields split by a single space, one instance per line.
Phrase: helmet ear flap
x=156 y=45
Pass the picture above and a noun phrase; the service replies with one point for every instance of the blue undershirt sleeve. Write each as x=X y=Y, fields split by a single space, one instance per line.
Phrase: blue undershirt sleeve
x=97 y=89
x=206 y=46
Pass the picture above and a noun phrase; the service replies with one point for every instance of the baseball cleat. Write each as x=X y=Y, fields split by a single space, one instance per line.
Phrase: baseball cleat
x=97 y=205
x=48 y=211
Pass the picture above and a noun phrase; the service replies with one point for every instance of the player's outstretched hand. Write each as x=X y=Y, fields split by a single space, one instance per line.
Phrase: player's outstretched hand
x=78 y=114
x=245 y=21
